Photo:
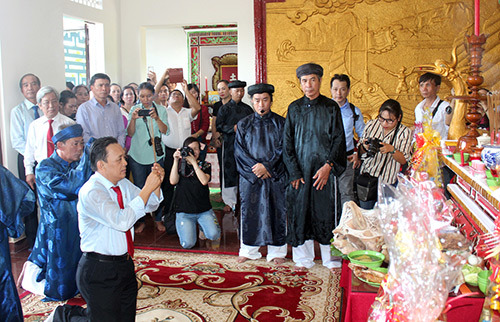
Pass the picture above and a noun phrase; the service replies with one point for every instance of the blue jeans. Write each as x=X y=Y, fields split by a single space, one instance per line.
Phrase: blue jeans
x=140 y=172
x=186 y=227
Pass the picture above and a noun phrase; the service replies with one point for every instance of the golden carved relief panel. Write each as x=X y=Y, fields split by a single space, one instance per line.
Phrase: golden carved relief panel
x=383 y=45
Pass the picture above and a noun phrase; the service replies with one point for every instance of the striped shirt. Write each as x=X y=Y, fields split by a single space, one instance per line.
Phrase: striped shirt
x=374 y=164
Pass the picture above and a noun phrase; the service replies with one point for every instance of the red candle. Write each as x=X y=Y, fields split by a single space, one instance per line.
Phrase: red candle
x=476 y=17
x=462 y=158
x=206 y=83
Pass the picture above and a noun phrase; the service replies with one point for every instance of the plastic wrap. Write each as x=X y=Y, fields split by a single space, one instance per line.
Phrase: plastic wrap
x=425 y=164
x=421 y=273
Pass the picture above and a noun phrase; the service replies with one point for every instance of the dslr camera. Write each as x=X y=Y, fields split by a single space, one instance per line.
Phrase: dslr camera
x=158 y=148
x=185 y=151
x=374 y=146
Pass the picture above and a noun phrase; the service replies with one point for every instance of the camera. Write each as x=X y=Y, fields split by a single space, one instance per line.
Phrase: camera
x=158 y=147
x=143 y=112
x=185 y=151
x=374 y=146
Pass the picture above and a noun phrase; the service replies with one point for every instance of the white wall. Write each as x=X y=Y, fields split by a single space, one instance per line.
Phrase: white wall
x=31 y=41
x=172 y=14
x=165 y=48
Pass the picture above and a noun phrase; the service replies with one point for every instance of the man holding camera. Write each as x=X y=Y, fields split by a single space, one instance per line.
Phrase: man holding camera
x=179 y=119
x=314 y=153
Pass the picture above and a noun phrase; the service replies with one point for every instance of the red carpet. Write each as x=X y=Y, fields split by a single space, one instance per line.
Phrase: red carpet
x=189 y=286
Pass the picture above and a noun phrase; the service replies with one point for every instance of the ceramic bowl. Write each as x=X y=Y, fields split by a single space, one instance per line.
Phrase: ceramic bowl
x=368 y=258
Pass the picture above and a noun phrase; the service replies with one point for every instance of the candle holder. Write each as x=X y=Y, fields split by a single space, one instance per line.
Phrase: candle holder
x=466 y=142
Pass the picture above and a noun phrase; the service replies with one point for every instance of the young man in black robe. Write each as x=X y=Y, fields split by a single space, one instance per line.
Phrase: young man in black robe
x=314 y=153
x=259 y=160
x=229 y=114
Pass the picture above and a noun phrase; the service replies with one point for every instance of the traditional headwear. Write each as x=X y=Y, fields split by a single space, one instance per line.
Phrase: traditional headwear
x=237 y=84
x=308 y=69
x=260 y=88
x=72 y=131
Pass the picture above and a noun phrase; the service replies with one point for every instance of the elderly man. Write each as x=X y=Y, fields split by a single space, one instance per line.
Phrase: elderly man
x=259 y=160
x=230 y=114
x=179 y=119
x=20 y=119
x=16 y=201
x=99 y=116
x=315 y=156
x=51 y=266
x=108 y=207
x=39 y=145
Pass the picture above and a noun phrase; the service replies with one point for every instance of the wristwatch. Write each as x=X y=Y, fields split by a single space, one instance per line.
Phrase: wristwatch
x=330 y=163
x=393 y=151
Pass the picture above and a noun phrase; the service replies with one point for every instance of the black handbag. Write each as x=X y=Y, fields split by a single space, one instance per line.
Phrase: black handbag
x=366 y=184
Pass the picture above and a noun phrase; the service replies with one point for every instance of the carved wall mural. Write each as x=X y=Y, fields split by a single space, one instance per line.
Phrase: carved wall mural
x=383 y=45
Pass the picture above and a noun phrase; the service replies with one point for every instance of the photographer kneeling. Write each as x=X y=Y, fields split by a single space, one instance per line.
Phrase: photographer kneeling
x=192 y=196
x=384 y=147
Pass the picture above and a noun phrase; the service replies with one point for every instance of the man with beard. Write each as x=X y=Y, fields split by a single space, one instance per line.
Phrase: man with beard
x=227 y=118
x=314 y=153
x=259 y=160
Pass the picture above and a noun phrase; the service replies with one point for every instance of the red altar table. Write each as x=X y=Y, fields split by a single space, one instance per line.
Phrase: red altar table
x=357 y=298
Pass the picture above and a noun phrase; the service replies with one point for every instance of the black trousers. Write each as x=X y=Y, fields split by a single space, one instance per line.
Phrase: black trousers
x=30 y=221
x=108 y=287
x=166 y=187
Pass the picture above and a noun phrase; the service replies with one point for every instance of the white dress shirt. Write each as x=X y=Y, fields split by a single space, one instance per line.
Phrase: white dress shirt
x=20 y=119
x=36 y=140
x=438 y=121
x=101 y=222
x=180 y=127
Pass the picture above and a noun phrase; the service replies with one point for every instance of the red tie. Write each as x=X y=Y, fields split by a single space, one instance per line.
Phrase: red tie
x=130 y=242
x=50 y=144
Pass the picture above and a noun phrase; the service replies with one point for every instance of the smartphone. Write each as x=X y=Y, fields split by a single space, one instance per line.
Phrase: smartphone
x=150 y=69
x=143 y=112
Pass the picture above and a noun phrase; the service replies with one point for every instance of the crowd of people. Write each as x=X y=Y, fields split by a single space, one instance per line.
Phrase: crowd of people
x=285 y=179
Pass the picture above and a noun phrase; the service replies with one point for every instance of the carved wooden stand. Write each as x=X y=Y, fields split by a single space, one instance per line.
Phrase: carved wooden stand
x=474 y=81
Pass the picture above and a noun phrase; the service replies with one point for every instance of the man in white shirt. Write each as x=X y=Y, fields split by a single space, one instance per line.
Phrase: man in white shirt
x=432 y=108
x=20 y=119
x=39 y=145
x=108 y=207
x=179 y=120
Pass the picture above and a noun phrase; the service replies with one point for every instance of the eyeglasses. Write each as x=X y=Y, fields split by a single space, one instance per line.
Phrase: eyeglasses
x=382 y=120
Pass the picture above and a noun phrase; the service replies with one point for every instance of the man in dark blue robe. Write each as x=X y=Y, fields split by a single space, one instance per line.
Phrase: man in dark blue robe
x=227 y=118
x=258 y=153
x=16 y=201
x=314 y=152
x=51 y=267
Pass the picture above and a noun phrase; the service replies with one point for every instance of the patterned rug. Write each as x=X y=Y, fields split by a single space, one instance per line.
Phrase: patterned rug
x=188 y=286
